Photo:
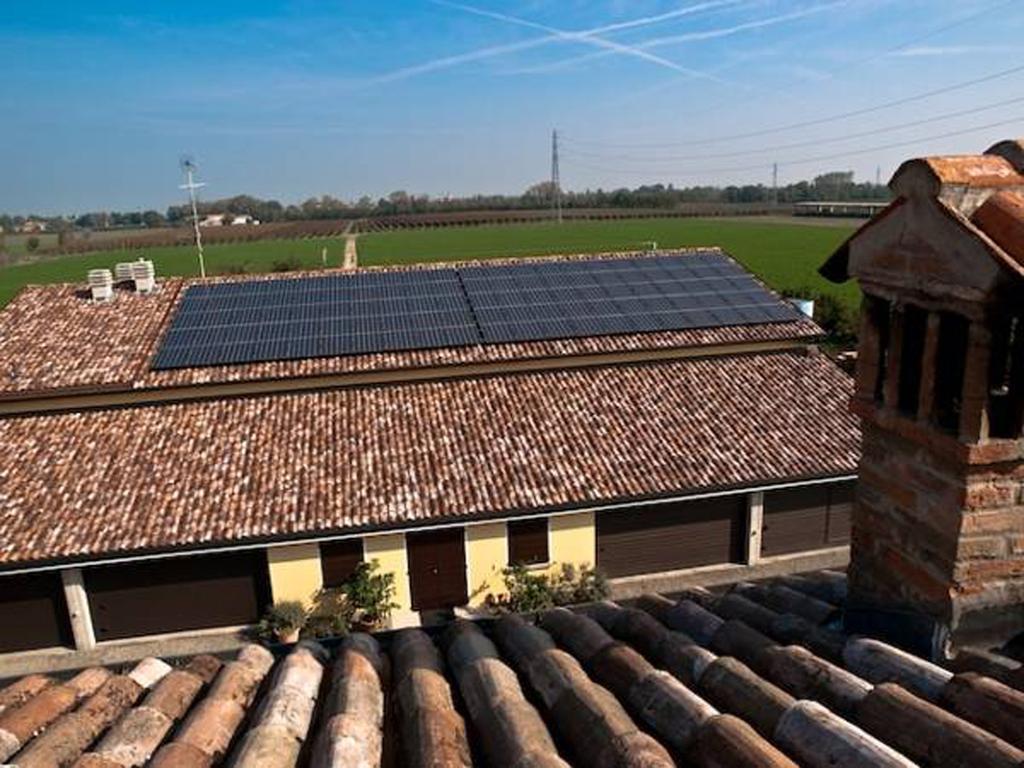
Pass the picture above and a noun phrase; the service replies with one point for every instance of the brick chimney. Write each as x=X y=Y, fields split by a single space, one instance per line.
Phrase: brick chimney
x=937 y=555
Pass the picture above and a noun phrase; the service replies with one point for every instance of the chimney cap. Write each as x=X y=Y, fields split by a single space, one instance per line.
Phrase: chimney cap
x=928 y=176
x=1012 y=150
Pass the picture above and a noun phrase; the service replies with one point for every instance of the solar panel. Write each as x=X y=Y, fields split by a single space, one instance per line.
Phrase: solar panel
x=567 y=299
x=335 y=315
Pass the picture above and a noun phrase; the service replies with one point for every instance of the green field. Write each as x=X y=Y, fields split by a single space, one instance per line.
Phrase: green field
x=786 y=255
x=259 y=256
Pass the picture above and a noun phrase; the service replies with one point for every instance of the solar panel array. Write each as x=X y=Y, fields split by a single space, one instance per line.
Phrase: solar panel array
x=267 y=320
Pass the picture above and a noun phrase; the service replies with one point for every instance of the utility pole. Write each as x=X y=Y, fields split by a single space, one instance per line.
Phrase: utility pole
x=188 y=167
x=775 y=184
x=556 y=182
x=878 y=175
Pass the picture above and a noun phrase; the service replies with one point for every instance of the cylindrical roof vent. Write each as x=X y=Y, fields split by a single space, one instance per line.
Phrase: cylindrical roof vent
x=144 y=276
x=123 y=272
x=101 y=284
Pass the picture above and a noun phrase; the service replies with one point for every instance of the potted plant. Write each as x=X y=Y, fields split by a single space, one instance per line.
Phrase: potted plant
x=370 y=597
x=283 y=621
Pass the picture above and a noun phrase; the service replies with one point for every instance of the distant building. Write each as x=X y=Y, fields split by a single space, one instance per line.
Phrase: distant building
x=32 y=227
x=227 y=220
x=851 y=209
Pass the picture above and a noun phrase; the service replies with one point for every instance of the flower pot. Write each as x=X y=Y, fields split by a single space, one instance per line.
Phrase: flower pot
x=288 y=636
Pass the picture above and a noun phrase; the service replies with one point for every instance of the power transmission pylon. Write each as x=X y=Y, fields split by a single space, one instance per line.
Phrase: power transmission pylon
x=556 y=183
x=775 y=183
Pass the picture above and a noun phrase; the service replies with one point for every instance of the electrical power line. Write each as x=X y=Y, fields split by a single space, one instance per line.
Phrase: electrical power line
x=816 y=121
x=801 y=144
x=800 y=161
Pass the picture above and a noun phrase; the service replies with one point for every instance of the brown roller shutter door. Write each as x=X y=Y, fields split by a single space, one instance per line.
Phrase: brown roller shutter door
x=33 y=613
x=528 y=541
x=668 y=537
x=339 y=559
x=177 y=594
x=806 y=518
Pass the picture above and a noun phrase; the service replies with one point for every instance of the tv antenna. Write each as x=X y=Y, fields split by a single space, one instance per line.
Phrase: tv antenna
x=189 y=168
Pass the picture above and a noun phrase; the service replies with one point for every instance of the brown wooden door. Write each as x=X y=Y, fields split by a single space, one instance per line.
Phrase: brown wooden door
x=437 y=569
x=177 y=594
x=806 y=518
x=671 y=536
x=33 y=613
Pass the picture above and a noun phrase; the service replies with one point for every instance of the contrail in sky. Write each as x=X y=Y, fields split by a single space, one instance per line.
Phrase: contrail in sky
x=589 y=37
x=553 y=36
x=688 y=37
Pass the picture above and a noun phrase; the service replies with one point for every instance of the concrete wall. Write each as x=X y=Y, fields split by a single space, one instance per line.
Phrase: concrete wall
x=294 y=572
x=486 y=556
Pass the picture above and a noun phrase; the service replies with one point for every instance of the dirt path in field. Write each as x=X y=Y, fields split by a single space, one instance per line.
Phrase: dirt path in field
x=351 y=259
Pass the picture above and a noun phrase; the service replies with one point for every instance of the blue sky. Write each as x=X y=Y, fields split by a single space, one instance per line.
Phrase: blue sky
x=290 y=100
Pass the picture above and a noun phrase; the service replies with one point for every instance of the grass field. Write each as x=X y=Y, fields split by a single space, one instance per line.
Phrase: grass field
x=259 y=256
x=786 y=255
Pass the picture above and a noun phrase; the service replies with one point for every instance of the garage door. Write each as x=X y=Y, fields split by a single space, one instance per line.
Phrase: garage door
x=177 y=594
x=807 y=518
x=667 y=537
x=33 y=613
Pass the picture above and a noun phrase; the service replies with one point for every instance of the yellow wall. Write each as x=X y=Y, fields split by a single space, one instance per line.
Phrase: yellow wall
x=389 y=552
x=294 y=572
x=572 y=539
x=486 y=555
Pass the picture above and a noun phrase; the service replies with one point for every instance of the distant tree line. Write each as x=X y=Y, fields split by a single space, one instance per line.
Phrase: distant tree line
x=837 y=186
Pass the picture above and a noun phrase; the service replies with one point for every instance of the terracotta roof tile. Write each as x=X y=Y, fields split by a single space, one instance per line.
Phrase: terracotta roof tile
x=1001 y=217
x=964 y=170
x=598 y=684
x=52 y=338
x=99 y=482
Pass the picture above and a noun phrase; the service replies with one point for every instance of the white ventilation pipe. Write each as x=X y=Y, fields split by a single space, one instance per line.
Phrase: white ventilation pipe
x=101 y=284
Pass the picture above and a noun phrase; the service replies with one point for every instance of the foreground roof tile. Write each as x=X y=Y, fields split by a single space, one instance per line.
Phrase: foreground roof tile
x=602 y=688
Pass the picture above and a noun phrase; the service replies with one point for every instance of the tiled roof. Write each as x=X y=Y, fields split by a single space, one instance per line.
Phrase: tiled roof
x=984 y=194
x=54 y=339
x=760 y=676
x=1001 y=217
x=98 y=482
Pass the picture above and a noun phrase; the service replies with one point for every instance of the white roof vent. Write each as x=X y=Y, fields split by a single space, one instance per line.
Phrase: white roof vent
x=144 y=275
x=806 y=306
x=101 y=284
x=123 y=272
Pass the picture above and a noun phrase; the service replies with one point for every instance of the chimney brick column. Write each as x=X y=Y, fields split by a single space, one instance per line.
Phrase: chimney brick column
x=974 y=413
x=891 y=387
x=926 y=398
x=868 y=351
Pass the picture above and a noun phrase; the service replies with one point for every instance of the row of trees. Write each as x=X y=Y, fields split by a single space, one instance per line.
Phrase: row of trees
x=838 y=185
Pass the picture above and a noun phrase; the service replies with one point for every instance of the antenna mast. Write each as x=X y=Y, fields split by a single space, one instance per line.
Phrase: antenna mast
x=556 y=183
x=188 y=167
